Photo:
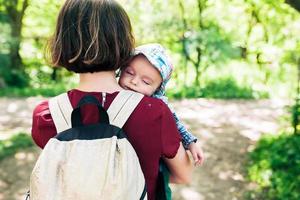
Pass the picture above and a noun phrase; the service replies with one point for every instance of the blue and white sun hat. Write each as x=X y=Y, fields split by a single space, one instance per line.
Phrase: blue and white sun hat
x=158 y=57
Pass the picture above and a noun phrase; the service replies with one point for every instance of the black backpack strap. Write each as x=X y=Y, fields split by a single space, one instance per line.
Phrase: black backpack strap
x=88 y=99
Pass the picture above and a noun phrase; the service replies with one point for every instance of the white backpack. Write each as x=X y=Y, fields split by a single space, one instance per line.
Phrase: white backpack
x=89 y=162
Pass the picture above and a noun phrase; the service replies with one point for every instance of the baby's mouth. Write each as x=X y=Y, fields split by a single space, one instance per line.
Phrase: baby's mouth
x=127 y=88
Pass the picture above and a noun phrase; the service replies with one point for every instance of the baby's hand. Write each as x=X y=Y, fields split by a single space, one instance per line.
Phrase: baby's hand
x=197 y=153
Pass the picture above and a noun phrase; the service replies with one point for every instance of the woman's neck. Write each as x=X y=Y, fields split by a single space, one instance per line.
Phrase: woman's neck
x=98 y=82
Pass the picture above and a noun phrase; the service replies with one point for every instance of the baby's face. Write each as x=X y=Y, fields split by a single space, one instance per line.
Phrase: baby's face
x=140 y=76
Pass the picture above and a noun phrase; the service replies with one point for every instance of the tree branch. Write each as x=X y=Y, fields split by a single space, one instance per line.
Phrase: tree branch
x=24 y=6
x=294 y=3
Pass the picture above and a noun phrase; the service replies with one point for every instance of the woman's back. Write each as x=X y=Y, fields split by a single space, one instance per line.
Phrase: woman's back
x=150 y=129
x=94 y=39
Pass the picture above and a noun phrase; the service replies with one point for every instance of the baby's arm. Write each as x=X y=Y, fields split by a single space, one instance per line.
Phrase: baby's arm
x=189 y=142
x=188 y=139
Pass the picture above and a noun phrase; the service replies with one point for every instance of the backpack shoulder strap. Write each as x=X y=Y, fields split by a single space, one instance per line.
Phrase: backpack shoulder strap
x=122 y=107
x=119 y=111
x=61 y=109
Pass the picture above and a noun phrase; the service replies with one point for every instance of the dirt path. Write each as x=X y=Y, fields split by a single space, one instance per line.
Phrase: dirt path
x=226 y=129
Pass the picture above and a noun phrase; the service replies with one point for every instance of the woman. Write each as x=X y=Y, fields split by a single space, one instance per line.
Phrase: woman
x=94 y=38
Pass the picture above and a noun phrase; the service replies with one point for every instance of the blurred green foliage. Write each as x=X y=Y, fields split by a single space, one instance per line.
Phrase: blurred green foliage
x=261 y=33
x=275 y=167
x=46 y=91
x=12 y=145
x=222 y=88
x=202 y=36
x=227 y=88
x=220 y=49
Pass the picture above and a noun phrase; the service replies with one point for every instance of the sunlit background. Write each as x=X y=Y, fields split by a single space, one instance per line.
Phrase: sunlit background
x=235 y=86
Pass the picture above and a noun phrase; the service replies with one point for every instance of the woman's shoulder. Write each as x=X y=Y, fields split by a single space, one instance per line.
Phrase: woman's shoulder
x=148 y=106
x=41 y=116
x=154 y=101
x=41 y=109
x=147 y=103
x=42 y=124
x=155 y=105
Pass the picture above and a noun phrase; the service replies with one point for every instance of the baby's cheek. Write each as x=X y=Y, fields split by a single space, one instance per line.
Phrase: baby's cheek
x=149 y=91
x=122 y=82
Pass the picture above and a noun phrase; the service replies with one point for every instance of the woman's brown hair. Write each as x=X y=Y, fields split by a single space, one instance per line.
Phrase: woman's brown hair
x=91 y=36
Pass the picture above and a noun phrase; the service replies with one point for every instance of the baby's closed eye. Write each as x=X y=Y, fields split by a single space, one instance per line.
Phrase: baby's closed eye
x=129 y=72
x=147 y=82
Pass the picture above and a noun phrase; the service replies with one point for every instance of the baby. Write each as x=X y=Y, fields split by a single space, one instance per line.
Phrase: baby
x=148 y=73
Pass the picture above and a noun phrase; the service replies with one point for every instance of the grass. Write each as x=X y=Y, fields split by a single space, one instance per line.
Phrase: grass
x=223 y=88
x=46 y=91
x=274 y=166
x=12 y=145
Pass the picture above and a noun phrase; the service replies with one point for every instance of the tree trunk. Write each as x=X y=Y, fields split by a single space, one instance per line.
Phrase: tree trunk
x=184 y=41
x=197 y=66
x=15 y=58
x=54 y=74
x=296 y=112
x=196 y=62
x=201 y=7
x=16 y=16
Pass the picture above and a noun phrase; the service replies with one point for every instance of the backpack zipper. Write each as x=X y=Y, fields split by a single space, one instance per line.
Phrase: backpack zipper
x=27 y=197
x=103 y=98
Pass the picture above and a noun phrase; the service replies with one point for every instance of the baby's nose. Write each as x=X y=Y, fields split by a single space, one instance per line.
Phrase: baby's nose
x=134 y=81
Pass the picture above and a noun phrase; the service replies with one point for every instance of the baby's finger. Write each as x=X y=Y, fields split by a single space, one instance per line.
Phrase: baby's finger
x=201 y=159
x=195 y=156
x=198 y=163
